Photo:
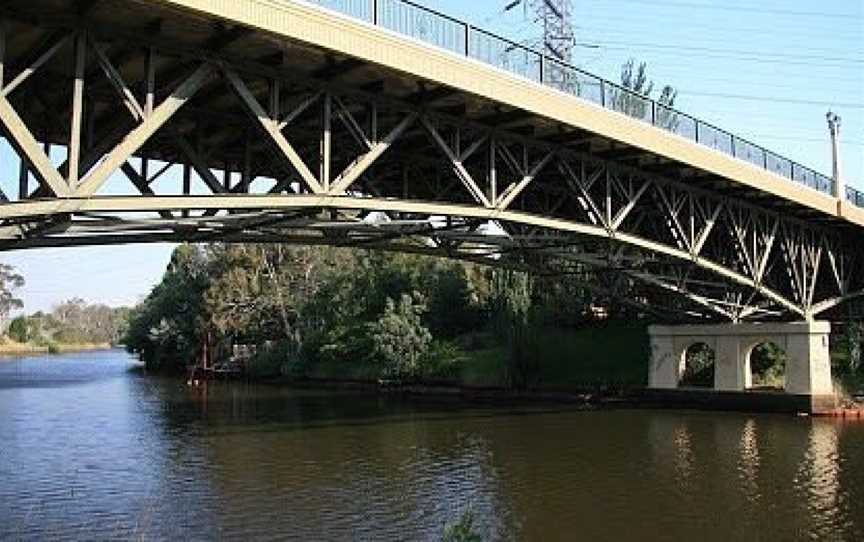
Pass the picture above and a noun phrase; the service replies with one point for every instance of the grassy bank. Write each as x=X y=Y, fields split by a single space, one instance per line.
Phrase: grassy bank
x=8 y=347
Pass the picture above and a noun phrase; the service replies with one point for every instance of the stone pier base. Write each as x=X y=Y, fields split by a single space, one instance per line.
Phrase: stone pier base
x=808 y=369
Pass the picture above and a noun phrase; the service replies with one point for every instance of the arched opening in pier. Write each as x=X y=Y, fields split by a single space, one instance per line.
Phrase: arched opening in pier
x=698 y=367
x=766 y=364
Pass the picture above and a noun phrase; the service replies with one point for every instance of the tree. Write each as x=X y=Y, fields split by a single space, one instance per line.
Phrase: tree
x=514 y=319
x=10 y=281
x=399 y=339
x=634 y=100
x=20 y=330
x=259 y=292
x=852 y=341
x=167 y=329
x=453 y=306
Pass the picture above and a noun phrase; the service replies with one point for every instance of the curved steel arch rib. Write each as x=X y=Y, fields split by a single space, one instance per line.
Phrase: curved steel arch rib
x=271 y=210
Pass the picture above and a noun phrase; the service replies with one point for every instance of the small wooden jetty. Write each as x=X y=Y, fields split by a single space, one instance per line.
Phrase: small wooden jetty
x=235 y=360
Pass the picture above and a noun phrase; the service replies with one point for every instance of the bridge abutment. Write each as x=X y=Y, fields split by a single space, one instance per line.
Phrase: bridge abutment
x=808 y=364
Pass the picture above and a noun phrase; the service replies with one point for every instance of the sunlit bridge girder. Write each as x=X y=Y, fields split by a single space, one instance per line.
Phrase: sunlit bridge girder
x=142 y=122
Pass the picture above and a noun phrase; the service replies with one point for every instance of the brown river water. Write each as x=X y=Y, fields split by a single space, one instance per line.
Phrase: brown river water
x=93 y=450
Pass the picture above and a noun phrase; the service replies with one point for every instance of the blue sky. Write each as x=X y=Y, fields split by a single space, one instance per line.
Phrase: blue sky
x=767 y=70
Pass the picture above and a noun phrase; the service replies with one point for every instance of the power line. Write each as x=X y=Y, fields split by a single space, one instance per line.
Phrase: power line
x=754 y=98
x=754 y=54
x=782 y=31
x=666 y=50
x=738 y=9
x=853 y=143
x=722 y=37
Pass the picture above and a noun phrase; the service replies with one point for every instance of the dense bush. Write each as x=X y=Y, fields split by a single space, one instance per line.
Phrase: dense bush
x=355 y=314
x=400 y=341
x=20 y=330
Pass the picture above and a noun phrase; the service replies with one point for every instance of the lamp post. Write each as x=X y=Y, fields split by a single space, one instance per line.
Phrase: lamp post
x=834 y=128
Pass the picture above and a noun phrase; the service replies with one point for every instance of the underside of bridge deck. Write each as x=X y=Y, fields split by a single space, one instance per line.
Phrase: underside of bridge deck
x=138 y=121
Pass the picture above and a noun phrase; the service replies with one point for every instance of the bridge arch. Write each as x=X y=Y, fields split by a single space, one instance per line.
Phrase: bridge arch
x=698 y=365
x=270 y=206
x=765 y=363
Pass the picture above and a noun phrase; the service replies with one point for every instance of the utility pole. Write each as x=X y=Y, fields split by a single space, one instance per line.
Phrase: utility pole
x=834 y=128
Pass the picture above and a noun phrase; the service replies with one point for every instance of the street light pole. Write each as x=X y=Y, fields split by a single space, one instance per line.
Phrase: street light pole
x=834 y=128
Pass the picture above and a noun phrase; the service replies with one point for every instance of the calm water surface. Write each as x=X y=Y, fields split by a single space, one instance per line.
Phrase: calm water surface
x=91 y=450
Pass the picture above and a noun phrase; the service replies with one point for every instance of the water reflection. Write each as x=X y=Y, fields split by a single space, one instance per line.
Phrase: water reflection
x=749 y=462
x=119 y=455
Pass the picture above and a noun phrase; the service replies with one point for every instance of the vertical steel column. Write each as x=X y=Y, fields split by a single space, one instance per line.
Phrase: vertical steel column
x=77 y=111
x=23 y=180
x=2 y=53
x=326 y=140
x=373 y=123
x=187 y=185
x=150 y=90
x=246 y=178
x=275 y=100
x=145 y=168
x=493 y=172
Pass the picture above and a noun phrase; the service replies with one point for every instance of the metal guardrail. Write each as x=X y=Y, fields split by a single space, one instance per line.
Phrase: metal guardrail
x=856 y=197
x=424 y=24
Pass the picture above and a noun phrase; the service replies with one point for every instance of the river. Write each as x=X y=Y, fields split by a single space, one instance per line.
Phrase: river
x=92 y=449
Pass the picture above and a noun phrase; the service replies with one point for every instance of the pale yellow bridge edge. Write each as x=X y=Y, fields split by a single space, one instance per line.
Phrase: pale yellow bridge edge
x=341 y=34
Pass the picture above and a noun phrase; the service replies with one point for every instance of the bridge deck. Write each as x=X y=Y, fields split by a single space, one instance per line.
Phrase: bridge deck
x=316 y=44
x=407 y=69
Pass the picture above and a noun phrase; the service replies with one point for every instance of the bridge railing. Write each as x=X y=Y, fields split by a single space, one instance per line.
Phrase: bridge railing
x=856 y=197
x=441 y=30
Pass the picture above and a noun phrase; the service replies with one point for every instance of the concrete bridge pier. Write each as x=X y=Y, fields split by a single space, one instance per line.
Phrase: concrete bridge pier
x=808 y=366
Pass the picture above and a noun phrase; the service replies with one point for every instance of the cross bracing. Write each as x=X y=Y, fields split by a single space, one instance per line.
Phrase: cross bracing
x=208 y=139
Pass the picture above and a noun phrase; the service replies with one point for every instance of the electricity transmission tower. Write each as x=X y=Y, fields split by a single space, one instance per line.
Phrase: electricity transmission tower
x=557 y=40
x=555 y=17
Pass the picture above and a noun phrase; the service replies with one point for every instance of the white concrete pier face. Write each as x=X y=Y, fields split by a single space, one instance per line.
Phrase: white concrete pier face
x=808 y=369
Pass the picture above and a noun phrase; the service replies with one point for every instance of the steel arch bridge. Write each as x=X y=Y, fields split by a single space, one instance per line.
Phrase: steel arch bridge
x=265 y=121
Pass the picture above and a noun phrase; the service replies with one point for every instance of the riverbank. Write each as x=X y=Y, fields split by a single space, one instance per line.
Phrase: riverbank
x=11 y=349
x=600 y=365
x=602 y=397
x=597 y=357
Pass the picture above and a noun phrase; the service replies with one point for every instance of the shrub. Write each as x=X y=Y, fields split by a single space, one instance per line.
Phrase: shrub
x=463 y=530
x=444 y=360
x=400 y=341
x=19 y=330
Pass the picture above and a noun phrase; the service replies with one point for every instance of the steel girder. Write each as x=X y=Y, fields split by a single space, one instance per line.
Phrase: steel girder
x=213 y=149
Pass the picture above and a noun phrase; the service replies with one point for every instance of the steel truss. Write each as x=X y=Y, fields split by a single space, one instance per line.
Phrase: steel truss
x=213 y=149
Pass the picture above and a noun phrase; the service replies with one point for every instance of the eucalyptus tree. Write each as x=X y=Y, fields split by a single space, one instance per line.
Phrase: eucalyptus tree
x=10 y=280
